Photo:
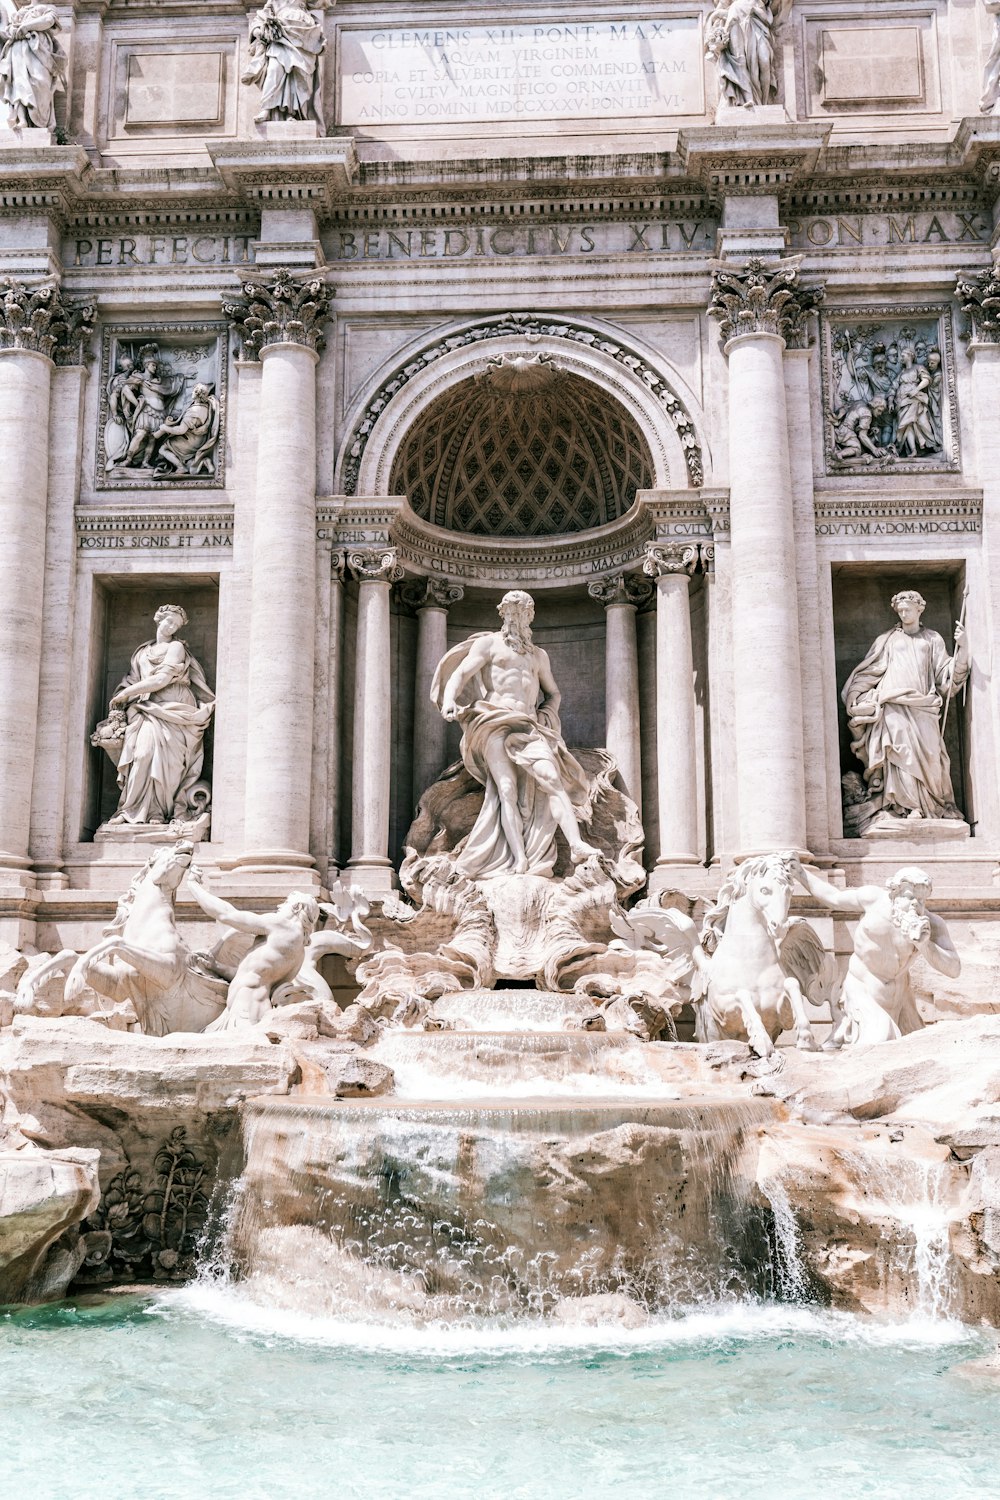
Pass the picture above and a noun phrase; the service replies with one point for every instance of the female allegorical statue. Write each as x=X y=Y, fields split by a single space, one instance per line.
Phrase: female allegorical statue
x=894 y=700
x=168 y=706
x=740 y=40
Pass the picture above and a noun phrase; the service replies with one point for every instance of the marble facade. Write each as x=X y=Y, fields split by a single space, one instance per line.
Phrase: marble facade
x=486 y=306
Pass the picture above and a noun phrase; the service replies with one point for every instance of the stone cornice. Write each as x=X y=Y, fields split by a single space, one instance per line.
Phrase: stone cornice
x=301 y=172
x=894 y=512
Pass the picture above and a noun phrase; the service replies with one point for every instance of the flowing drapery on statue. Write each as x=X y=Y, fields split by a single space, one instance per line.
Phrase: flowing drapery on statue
x=32 y=65
x=894 y=700
x=168 y=707
x=512 y=745
x=286 y=43
x=739 y=38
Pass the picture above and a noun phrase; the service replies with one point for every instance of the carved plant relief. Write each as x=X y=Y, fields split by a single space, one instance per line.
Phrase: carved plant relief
x=889 y=401
x=162 y=406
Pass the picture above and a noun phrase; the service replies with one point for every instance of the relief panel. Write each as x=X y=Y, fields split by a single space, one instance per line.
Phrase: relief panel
x=162 y=414
x=888 y=391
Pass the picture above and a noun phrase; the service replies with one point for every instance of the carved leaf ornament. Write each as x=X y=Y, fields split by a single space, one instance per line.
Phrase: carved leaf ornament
x=758 y=298
x=280 y=310
x=979 y=293
x=36 y=318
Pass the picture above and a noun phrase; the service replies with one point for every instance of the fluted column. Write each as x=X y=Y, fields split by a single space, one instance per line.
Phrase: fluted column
x=671 y=564
x=432 y=598
x=761 y=308
x=280 y=320
x=376 y=569
x=36 y=329
x=621 y=595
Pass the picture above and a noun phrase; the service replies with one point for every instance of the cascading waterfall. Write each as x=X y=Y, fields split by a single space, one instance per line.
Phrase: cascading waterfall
x=790 y=1275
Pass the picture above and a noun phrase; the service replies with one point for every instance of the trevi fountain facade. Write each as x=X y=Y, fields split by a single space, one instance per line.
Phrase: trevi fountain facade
x=499 y=721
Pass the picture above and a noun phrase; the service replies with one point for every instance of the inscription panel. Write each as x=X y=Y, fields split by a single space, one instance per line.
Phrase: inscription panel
x=595 y=70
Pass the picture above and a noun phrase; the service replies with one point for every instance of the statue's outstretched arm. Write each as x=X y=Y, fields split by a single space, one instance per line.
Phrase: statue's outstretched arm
x=223 y=911
x=852 y=903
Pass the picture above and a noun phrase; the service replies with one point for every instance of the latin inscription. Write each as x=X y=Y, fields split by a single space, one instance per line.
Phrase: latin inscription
x=849 y=231
x=159 y=250
x=146 y=541
x=600 y=69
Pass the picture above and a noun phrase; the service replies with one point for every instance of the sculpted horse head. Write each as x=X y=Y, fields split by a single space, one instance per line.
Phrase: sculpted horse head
x=161 y=874
x=766 y=882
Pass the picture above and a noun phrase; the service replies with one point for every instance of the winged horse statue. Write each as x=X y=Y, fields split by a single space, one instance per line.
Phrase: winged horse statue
x=750 y=969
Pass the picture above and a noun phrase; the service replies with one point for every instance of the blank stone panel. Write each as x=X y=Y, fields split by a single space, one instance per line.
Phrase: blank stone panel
x=877 y=64
x=173 y=86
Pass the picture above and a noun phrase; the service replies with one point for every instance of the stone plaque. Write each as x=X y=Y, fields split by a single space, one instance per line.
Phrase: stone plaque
x=174 y=88
x=605 y=69
x=862 y=63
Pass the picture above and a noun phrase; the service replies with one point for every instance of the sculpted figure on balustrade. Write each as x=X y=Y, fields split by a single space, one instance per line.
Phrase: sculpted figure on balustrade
x=286 y=44
x=896 y=699
x=740 y=41
x=32 y=64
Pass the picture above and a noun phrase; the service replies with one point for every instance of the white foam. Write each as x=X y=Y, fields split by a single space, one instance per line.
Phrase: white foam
x=535 y=1338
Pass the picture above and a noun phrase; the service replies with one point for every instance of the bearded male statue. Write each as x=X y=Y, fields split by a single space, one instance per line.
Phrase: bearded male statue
x=499 y=687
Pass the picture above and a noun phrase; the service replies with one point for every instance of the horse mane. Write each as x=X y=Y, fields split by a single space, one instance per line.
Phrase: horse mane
x=735 y=886
x=125 y=903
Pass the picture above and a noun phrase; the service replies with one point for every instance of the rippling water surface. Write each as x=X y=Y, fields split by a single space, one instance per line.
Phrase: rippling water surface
x=198 y=1395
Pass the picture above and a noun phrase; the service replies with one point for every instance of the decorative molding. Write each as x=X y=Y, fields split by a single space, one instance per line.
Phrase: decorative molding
x=762 y=298
x=532 y=326
x=979 y=294
x=101 y=530
x=621 y=588
x=37 y=319
x=279 y=308
x=665 y=558
x=885 y=513
x=375 y=565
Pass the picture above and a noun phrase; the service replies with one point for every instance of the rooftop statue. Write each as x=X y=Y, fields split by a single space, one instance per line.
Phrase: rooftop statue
x=991 y=72
x=894 y=700
x=741 y=43
x=499 y=686
x=32 y=64
x=286 y=44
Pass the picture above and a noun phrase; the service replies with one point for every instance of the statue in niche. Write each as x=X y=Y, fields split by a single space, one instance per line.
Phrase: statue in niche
x=286 y=44
x=740 y=41
x=894 y=700
x=162 y=422
x=156 y=729
x=991 y=73
x=32 y=64
x=499 y=686
x=894 y=927
x=887 y=400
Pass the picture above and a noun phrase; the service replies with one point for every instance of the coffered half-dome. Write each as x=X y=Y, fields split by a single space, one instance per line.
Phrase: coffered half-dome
x=525 y=449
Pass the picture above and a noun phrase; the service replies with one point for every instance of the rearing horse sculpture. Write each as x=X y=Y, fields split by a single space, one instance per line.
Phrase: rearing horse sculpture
x=748 y=972
x=144 y=958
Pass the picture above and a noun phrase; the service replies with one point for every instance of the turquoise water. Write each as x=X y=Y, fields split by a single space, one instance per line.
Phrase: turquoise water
x=197 y=1395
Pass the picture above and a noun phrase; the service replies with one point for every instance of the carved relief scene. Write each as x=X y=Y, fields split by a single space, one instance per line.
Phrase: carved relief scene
x=500 y=746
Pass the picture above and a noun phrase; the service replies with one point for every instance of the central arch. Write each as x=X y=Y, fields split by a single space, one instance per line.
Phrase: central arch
x=621 y=375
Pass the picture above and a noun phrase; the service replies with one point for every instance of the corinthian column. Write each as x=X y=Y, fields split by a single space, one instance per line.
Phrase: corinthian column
x=671 y=564
x=762 y=308
x=432 y=598
x=621 y=596
x=280 y=320
x=376 y=570
x=36 y=329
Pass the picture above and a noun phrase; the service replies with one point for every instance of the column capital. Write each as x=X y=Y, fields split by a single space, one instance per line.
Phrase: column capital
x=37 y=319
x=763 y=298
x=664 y=559
x=278 y=307
x=375 y=565
x=431 y=593
x=979 y=294
x=620 y=588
